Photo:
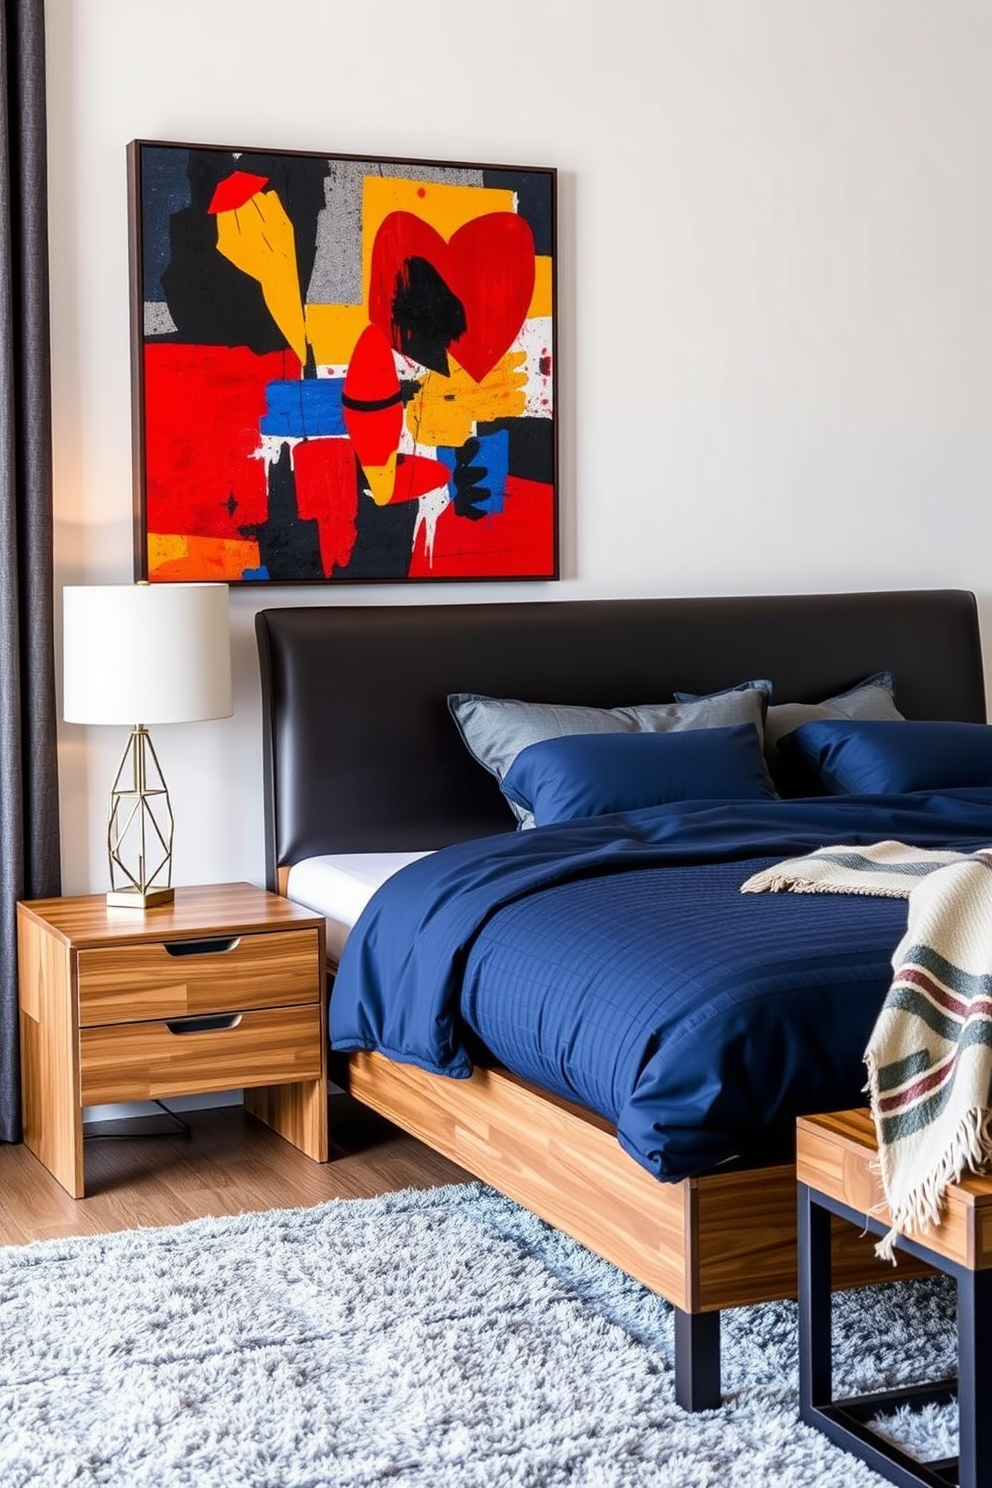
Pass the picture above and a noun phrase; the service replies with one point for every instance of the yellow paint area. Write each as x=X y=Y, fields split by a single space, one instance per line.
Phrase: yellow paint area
x=541 y=301
x=258 y=239
x=380 y=480
x=177 y=556
x=446 y=409
x=445 y=208
x=333 y=330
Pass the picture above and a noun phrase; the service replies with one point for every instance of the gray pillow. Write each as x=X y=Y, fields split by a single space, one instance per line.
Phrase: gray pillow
x=874 y=698
x=494 y=730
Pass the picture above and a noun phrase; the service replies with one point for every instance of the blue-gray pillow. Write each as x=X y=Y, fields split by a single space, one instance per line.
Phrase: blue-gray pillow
x=872 y=698
x=756 y=684
x=494 y=730
x=582 y=775
x=886 y=757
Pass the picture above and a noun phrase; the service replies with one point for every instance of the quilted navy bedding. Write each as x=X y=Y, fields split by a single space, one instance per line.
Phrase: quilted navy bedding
x=615 y=962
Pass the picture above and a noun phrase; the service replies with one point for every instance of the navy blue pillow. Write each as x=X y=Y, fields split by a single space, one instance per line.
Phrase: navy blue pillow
x=873 y=757
x=581 y=775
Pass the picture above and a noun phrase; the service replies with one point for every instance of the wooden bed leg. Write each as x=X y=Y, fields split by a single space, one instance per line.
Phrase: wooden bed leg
x=697 y=1360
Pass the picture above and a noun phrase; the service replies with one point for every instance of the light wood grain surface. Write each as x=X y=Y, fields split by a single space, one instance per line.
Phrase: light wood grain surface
x=49 y=1053
x=122 y=982
x=107 y=999
x=727 y=1239
x=150 y=1061
x=836 y=1155
x=230 y=1164
x=220 y=909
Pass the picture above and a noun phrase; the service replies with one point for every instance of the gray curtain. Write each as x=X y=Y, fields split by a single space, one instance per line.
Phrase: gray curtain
x=29 y=822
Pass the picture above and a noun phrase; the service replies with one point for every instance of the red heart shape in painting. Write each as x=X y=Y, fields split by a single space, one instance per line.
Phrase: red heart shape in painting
x=487 y=264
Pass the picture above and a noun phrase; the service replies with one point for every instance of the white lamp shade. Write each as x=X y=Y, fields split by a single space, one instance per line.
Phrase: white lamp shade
x=146 y=653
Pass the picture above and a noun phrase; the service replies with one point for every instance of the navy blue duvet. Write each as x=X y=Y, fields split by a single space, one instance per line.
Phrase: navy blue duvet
x=615 y=962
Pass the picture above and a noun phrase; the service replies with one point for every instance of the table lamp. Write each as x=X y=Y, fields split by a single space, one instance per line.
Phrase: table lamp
x=158 y=653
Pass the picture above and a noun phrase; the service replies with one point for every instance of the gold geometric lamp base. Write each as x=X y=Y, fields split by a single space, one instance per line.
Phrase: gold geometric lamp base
x=139 y=835
x=160 y=652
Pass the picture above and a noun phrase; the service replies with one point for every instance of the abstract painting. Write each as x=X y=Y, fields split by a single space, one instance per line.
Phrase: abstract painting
x=342 y=369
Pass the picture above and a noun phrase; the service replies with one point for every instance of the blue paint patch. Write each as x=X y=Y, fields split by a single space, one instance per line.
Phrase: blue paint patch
x=165 y=190
x=495 y=455
x=309 y=408
x=492 y=457
x=255 y=573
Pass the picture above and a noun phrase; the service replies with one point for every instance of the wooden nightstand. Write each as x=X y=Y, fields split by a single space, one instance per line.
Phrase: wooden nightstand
x=224 y=988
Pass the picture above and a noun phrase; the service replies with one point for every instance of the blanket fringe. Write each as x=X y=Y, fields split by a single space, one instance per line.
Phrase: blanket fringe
x=879 y=870
x=921 y=1209
x=768 y=882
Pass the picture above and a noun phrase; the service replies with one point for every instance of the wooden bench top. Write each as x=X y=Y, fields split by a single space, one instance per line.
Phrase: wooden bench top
x=835 y=1156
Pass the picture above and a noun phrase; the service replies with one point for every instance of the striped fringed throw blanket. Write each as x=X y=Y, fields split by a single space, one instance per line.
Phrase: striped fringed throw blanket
x=889 y=869
x=929 y=1057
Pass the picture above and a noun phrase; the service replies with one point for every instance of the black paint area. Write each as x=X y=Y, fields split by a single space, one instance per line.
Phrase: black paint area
x=384 y=539
x=427 y=316
x=289 y=548
x=471 y=495
x=211 y=302
x=532 y=447
x=164 y=193
x=371 y=405
x=535 y=202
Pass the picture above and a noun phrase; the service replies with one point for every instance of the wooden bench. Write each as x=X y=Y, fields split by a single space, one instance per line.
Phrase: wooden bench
x=834 y=1156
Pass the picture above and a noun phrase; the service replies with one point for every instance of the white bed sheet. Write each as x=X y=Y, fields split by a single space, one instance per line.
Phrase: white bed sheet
x=339 y=885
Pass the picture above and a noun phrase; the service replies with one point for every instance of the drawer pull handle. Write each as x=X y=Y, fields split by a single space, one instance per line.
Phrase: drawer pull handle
x=212 y=1023
x=215 y=946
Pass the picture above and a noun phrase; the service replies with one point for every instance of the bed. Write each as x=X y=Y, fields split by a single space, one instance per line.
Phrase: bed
x=363 y=758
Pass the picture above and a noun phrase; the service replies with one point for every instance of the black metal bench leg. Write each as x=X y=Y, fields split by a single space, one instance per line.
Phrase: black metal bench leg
x=815 y=1305
x=697 y=1360
x=975 y=1379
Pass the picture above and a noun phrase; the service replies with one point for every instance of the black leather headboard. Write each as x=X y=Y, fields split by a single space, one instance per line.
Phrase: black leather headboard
x=361 y=754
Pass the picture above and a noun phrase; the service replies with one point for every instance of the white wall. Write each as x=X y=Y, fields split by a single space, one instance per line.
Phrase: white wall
x=775 y=292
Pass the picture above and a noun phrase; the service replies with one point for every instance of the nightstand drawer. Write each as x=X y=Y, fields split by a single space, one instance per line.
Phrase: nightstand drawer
x=149 y=1061
x=169 y=979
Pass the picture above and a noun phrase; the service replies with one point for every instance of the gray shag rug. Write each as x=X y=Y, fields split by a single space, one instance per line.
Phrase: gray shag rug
x=441 y=1338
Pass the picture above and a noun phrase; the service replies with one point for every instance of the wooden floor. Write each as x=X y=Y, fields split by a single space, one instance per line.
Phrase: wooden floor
x=229 y=1163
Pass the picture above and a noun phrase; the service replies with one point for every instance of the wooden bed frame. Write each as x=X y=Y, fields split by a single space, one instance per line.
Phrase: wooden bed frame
x=360 y=754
